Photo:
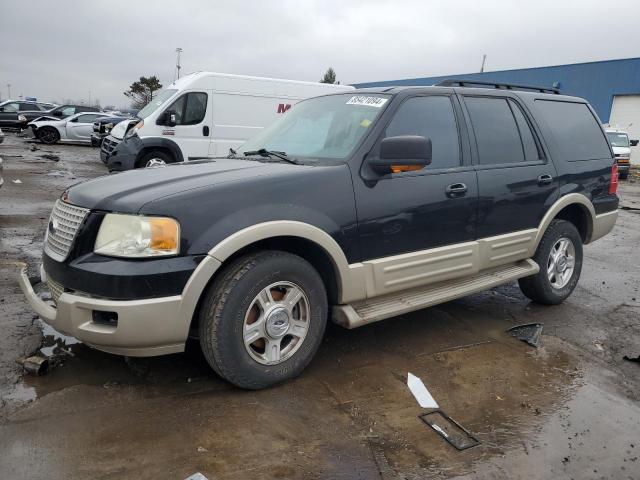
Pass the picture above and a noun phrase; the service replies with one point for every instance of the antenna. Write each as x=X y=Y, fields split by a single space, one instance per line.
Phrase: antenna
x=484 y=59
x=178 y=67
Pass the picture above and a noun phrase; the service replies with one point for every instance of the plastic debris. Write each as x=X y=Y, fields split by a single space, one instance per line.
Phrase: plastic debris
x=445 y=426
x=196 y=476
x=424 y=398
x=49 y=156
x=632 y=359
x=528 y=332
x=17 y=180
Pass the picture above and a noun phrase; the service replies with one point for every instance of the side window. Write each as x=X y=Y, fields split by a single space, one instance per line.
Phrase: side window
x=529 y=145
x=495 y=129
x=190 y=108
x=578 y=134
x=68 y=111
x=11 y=107
x=87 y=118
x=25 y=107
x=431 y=117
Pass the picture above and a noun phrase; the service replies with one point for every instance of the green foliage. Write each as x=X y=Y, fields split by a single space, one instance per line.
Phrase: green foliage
x=141 y=92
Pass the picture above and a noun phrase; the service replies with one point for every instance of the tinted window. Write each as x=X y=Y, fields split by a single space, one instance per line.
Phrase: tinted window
x=529 y=145
x=25 y=107
x=495 y=129
x=87 y=118
x=430 y=117
x=577 y=132
x=65 y=111
x=190 y=108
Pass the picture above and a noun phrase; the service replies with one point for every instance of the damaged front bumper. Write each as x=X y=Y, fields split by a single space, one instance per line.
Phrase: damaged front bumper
x=146 y=327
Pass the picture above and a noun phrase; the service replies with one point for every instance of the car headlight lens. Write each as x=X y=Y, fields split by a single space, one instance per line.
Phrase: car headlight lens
x=134 y=130
x=135 y=236
x=22 y=118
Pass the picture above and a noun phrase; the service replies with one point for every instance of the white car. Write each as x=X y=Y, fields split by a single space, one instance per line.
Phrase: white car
x=74 y=128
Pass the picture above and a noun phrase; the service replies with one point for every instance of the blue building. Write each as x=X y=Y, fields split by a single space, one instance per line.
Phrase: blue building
x=611 y=86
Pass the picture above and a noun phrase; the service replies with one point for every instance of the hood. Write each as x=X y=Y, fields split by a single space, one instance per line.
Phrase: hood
x=129 y=191
x=621 y=150
x=38 y=122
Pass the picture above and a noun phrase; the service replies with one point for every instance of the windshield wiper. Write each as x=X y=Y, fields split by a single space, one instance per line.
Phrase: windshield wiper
x=263 y=152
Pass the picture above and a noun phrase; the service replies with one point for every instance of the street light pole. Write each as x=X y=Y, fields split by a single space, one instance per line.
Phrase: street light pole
x=9 y=87
x=178 y=67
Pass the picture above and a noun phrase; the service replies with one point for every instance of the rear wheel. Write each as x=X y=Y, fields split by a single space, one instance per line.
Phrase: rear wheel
x=263 y=319
x=48 y=135
x=559 y=256
x=154 y=158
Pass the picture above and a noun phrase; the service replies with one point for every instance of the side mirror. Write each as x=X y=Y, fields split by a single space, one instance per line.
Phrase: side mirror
x=1 y=109
x=402 y=154
x=168 y=118
x=634 y=143
x=74 y=120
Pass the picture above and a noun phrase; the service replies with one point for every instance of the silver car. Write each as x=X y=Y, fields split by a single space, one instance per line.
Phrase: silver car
x=74 y=128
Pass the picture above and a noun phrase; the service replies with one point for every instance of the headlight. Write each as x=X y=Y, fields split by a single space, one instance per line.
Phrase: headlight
x=135 y=236
x=22 y=118
x=134 y=130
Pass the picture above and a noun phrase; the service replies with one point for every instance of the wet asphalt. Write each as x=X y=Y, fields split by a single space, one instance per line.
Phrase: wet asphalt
x=567 y=409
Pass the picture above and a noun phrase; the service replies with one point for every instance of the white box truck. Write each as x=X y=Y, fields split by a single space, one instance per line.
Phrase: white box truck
x=203 y=115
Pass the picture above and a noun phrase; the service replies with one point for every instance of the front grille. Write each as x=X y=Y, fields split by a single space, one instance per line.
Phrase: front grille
x=108 y=145
x=63 y=226
x=55 y=289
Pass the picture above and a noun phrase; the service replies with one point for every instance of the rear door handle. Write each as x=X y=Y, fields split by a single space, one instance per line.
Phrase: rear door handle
x=205 y=131
x=545 y=179
x=456 y=190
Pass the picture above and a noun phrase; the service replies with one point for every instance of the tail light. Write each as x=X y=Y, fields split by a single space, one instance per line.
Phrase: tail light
x=613 y=185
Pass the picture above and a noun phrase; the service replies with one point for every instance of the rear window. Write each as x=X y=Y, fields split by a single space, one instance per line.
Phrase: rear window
x=577 y=132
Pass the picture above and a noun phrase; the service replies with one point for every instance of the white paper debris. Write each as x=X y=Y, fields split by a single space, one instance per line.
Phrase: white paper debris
x=196 y=476
x=424 y=398
x=17 y=181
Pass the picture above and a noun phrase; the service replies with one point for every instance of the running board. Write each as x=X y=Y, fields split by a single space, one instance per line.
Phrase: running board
x=380 y=308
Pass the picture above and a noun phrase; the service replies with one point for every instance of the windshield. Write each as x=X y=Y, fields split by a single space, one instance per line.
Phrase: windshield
x=161 y=97
x=321 y=127
x=618 y=139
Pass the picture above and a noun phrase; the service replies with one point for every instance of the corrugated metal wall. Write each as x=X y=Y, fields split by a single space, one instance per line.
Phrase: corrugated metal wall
x=598 y=82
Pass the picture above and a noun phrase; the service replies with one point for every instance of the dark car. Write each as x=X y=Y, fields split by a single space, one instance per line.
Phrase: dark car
x=12 y=112
x=56 y=113
x=103 y=125
x=356 y=206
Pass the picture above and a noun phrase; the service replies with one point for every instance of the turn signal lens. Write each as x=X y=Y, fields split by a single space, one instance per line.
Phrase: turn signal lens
x=164 y=234
x=613 y=184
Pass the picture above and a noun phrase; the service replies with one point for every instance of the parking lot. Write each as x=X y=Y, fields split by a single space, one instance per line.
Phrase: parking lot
x=567 y=409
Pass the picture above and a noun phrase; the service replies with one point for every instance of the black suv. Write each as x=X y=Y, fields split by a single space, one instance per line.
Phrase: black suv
x=355 y=206
x=12 y=112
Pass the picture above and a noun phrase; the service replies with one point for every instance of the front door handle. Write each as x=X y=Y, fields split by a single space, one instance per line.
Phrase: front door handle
x=205 y=131
x=545 y=179
x=456 y=190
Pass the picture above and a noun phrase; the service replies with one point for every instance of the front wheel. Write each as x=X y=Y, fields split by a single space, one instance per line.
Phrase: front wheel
x=154 y=158
x=48 y=135
x=263 y=319
x=559 y=256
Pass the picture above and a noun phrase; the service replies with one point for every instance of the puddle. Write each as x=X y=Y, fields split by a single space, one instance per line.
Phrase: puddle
x=54 y=342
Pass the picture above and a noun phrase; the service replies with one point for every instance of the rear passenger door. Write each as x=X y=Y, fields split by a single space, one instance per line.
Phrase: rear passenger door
x=81 y=127
x=516 y=181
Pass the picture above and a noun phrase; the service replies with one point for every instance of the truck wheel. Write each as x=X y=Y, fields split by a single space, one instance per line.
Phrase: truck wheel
x=48 y=135
x=263 y=319
x=559 y=255
x=154 y=158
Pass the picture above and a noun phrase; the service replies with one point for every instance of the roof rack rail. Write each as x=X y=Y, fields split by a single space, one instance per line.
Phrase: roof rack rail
x=455 y=82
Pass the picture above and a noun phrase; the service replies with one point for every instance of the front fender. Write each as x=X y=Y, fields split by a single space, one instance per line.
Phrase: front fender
x=150 y=143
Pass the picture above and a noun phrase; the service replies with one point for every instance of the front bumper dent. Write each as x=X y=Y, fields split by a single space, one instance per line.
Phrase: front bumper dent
x=145 y=327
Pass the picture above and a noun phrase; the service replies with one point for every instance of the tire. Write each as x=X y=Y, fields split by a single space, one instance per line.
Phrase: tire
x=552 y=286
x=231 y=305
x=157 y=155
x=48 y=135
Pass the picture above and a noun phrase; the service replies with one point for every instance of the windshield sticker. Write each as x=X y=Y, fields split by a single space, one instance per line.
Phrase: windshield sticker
x=376 y=102
x=365 y=123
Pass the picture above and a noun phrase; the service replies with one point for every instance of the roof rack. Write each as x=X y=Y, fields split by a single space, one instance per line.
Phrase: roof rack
x=455 y=82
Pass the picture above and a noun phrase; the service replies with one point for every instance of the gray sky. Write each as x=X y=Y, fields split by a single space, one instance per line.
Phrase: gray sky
x=57 y=50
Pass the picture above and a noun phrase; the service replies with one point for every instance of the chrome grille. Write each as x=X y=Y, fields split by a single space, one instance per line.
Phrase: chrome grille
x=63 y=226
x=55 y=289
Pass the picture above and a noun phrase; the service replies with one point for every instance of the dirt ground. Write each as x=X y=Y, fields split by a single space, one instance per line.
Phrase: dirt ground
x=568 y=409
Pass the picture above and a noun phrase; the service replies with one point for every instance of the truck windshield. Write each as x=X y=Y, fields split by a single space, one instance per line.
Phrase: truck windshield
x=322 y=127
x=161 y=97
x=618 y=139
